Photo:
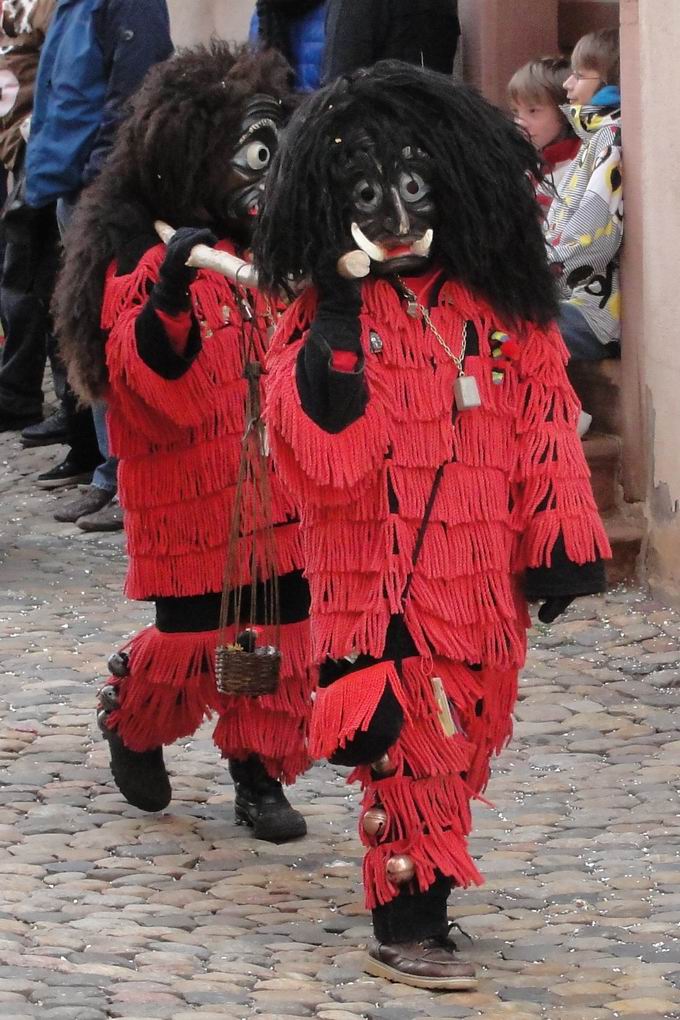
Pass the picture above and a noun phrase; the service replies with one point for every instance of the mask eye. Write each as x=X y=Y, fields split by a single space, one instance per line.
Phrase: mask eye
x=367 y=195
x=412 y=187
x=258 y=156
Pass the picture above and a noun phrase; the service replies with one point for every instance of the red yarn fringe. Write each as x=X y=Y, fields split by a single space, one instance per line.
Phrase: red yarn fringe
x=347 y=707
x=491 y=730
x=439 y=852
x=171 y=689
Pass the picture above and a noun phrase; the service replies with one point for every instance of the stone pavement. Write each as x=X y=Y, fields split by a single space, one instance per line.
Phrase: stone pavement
x=105 y=912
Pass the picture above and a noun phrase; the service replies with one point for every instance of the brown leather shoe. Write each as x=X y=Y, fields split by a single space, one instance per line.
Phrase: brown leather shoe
x=431 y=963
x=92 y=500
x=109 y=518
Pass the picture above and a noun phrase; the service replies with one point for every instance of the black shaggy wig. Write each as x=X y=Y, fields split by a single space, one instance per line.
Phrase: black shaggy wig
x=488 y=233
x=169 y=153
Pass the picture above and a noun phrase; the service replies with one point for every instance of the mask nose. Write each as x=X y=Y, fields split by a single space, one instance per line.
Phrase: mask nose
x=397 y=221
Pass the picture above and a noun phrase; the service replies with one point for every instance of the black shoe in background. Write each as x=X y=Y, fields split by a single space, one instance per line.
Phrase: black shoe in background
x=64 y=474
x=12 y=422
x=45 y=433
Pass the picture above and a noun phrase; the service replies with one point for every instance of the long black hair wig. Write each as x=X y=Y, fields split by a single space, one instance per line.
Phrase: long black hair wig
x=488 y=234
x=170 y=155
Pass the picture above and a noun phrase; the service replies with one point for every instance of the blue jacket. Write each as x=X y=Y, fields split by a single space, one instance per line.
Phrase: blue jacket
x=307 y=44
x=94 y=57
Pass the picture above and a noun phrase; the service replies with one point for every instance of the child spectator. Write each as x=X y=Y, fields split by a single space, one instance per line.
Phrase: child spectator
x=536 y=95
x=585 y=222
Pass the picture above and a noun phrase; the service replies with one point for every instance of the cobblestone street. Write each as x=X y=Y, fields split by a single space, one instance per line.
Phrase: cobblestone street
x=106 y=912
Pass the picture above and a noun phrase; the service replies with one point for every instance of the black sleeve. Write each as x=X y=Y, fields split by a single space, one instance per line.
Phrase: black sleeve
x=332 y=399
x=564 y=578
x=155 y=349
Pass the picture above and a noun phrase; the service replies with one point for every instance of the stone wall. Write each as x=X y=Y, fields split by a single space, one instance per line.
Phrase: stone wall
x=651 y=352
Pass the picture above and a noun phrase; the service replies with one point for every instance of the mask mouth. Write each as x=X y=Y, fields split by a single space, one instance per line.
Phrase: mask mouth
x=390 y=248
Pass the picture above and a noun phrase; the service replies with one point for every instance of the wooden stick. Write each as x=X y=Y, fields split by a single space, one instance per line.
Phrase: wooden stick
x=203 y=257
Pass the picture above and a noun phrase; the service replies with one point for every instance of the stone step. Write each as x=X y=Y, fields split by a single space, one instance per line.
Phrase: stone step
x=603 y=453
x=598 y=385
x=626 y=534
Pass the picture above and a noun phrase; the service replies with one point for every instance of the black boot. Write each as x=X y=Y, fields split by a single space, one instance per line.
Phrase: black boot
x=139 y=775
x=261 y=803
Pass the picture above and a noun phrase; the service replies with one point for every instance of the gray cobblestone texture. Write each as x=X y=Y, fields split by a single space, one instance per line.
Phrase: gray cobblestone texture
x=107 y=913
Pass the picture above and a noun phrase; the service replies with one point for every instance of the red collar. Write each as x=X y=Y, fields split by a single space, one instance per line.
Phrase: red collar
x=560 y=152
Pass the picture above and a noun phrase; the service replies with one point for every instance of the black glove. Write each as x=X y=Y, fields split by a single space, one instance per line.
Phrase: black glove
x=171 y=293
x=337 y=314
x=552 y=608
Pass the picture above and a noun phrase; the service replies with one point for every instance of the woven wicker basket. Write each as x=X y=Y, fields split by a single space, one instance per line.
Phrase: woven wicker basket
x=249 y=673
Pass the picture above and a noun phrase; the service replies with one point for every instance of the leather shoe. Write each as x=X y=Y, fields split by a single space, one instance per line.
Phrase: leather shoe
x=430 y=963
x=92 y=499
x=64 y=474
x=108 y=518
x=262 y=804
x=45 y=433
x=11 y=422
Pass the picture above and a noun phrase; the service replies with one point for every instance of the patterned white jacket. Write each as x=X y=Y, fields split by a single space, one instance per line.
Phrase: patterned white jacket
x=584 y=226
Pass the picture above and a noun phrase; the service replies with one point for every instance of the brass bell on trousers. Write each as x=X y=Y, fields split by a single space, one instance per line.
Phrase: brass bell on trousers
x=383 y=766
x=374 y=821
x=400 y=869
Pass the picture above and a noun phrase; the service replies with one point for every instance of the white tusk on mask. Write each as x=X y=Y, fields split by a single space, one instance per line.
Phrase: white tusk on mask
x=354 y=265
x=374 y=251
x=422 y=246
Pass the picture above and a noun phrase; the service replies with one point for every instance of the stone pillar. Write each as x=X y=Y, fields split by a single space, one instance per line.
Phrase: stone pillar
x=501 y=35
x=195 y=21
x=651 y=351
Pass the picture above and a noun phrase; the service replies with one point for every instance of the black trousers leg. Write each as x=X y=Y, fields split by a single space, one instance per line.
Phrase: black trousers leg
x=411 y=917
x=29 y=272
x=82 y=437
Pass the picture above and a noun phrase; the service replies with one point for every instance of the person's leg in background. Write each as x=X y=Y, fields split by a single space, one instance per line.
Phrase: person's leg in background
x=3 y=199
x=83 y=455
x=54 y=429
x=95 y=509
x=108 y=517
x=29 y=272
x=581 y=342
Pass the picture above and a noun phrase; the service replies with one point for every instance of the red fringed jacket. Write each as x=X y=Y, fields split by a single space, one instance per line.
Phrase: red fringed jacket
x=176 y=420
x=514 y=511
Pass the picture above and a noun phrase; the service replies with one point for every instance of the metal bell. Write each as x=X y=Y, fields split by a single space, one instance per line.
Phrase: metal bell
x=383 y=766
x=400 y=869
x=108 y=698
x=119 y=664
x=374 y=821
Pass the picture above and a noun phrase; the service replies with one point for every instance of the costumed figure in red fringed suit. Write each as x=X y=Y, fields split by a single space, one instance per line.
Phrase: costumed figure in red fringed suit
x=170 y=357
x=423 y=420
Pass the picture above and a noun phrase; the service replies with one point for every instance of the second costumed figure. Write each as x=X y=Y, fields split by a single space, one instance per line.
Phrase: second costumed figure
x=423 y=420
x=167 y=345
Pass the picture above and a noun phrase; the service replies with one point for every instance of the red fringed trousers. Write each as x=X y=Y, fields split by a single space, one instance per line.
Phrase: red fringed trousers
x=171 y=689
x=425 y=784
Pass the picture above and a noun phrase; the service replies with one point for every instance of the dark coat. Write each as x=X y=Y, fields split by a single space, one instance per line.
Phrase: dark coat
x=360 y=32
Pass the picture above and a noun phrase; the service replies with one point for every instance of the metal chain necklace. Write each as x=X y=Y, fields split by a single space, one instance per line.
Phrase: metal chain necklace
x=465 y=390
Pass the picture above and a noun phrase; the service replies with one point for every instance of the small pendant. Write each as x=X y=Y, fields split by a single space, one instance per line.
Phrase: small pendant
x=375 y=342
x=270 y=331
x=226 y=313
x=413 y=310
x=466 y=393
